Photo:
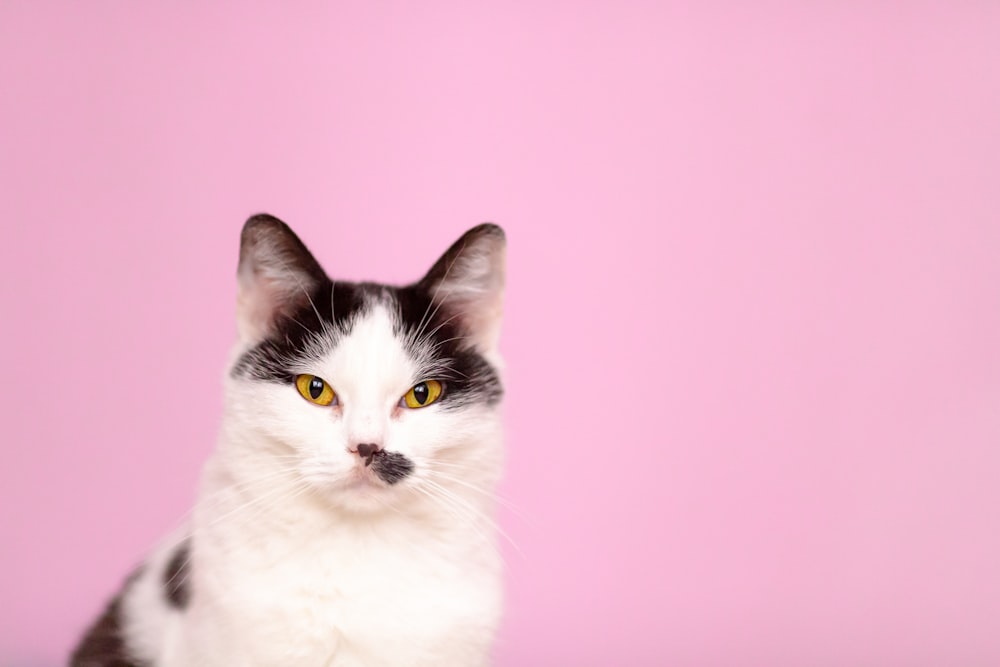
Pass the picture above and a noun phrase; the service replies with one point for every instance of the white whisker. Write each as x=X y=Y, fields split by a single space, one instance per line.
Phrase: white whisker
x=437 y=289
x=473 y=510
x=493 y=496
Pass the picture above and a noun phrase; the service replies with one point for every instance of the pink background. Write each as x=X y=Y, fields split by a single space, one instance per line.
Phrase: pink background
x=753 y=306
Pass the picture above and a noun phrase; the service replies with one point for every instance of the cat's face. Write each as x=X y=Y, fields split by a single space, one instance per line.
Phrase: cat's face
x=366 y=393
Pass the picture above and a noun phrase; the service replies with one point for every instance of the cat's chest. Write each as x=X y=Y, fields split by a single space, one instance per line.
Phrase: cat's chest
x=346 y=583
x=359 y=600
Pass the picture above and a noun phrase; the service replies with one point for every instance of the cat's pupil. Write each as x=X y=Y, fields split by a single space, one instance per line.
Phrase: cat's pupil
x=315 y=387
x=420 y=393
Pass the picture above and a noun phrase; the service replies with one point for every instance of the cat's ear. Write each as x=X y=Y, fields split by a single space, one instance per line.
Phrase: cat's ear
x=276 y=276
x=468 y=283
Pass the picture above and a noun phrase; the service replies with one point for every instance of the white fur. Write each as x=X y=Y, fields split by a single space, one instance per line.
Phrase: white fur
x=301 y=557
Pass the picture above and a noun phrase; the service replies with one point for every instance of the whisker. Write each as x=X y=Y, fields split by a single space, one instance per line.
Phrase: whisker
x=456 y=511
x=493 y=496
x=469 y=507
x=181 y=529
x=422 y=340
x=207 y=502
x=319 y=318
x=277 y=491
x=438 y=289
x=333 y=314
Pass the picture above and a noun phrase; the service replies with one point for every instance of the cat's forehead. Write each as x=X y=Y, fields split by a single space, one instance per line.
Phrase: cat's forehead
x=372 y=351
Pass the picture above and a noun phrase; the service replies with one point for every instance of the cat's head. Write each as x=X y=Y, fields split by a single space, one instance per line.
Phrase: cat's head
x=367 y=393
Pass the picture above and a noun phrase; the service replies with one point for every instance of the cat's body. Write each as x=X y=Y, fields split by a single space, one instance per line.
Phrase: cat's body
x=345 y=533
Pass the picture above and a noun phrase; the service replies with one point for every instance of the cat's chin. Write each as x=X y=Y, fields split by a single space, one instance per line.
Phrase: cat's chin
x=361 y=500
x=361 y=493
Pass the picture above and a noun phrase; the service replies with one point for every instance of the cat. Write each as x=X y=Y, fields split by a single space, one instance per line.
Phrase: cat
x=345 y=517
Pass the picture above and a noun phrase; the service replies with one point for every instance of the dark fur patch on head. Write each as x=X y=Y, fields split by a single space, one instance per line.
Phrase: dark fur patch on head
x=391 y=467
x=332 y=307
x=425 y=329
x=104 y=645
x=177 y=576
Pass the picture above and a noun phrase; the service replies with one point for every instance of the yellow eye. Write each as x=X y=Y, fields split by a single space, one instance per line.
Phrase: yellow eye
x=315 y=390
x=423 y=394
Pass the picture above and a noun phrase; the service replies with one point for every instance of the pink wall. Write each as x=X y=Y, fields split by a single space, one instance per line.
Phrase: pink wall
x=754 y=303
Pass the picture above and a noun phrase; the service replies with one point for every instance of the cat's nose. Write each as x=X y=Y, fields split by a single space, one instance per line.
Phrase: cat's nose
x=366 y=450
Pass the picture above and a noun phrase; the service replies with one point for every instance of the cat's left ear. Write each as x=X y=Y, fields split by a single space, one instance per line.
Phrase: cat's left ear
x=277 y=276
x=467 y=283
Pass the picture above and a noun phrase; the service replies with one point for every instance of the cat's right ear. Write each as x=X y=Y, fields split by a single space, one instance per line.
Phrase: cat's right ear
x=277 y=275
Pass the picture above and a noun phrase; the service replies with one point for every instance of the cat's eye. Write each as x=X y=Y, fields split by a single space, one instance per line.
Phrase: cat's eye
x=315 y=390
x=423 y=394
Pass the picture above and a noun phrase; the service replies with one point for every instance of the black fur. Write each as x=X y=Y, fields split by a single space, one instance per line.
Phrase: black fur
x=392 y=466
x=271 y=359
x=104 y=645
x=471 y=379
x=177 y=577
x=299 y=322
x=333 y=307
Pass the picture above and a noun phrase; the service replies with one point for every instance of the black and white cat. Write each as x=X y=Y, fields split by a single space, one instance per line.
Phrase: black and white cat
x=346 y=515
